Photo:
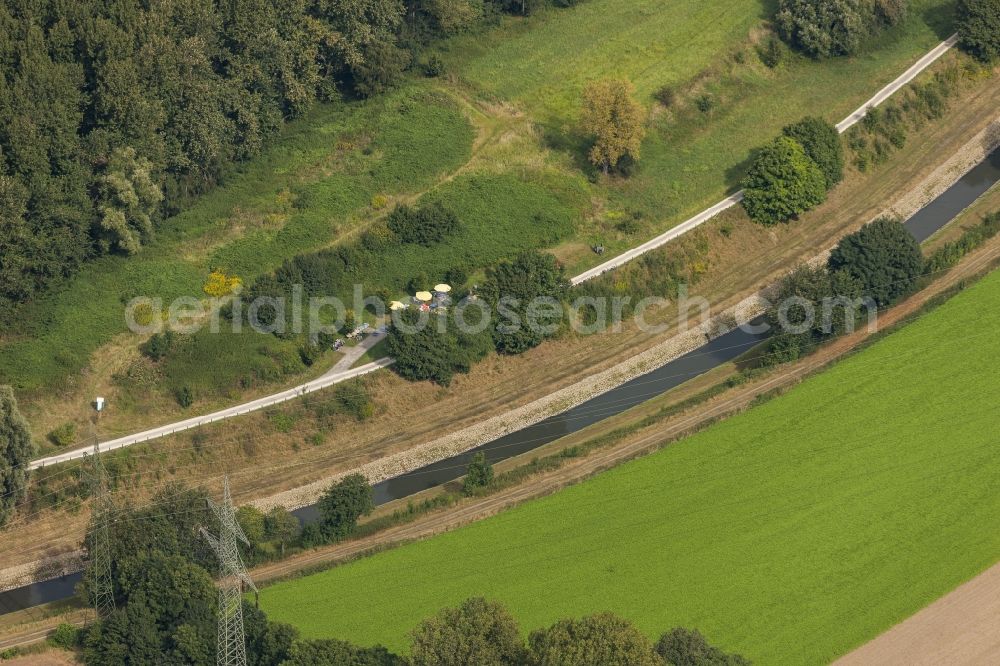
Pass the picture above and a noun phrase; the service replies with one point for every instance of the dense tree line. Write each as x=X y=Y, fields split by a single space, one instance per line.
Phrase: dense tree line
x=114 y=115
x=167 y=606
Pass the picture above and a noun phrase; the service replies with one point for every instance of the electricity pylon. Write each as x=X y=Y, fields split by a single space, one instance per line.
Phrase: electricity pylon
x=231 y=647
x=100 y=554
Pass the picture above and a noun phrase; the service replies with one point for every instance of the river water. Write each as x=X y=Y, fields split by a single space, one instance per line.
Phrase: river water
x=725 y=348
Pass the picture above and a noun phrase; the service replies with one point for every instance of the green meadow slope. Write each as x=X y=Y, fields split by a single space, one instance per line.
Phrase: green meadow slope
x=495 y=138
x=790 y=533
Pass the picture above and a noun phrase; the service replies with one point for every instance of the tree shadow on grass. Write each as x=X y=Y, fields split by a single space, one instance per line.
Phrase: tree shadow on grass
x=572 y=143
x=940 y=19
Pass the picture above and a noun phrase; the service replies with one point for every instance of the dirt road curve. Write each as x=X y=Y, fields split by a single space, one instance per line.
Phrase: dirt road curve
x=961 y=628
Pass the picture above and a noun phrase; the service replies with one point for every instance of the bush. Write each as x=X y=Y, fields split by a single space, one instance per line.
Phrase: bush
x=381 y=69
x=684 y=647
x=783 y=182
x=531 y=276
x=436 y=350
x=771 y=53
x=883 y=256
x=184 y=396
x=950 y=253
x=456 y=276
x=822 y=144
x=434 y=66
x=978 y=24
x=159 y=346
x=666 y=96
x=479 y=474
x=705 y=103
x=425 y=226
x=64 y=435
x=66 y=636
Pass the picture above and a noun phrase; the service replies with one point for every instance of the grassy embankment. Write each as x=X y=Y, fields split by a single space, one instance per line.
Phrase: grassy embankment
x=790 y=533
x=524 y=186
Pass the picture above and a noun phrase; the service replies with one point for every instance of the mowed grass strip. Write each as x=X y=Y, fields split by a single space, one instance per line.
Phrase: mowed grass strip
x=790 y=533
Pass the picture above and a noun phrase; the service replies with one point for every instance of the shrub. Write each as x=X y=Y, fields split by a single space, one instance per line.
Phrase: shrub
x=381 y=69
x=684 y=647
x=456 y=276
x=434 y=66
x=310 y=353
x=822 y=144
x=771 y=53
x=666 y=96
x=219 y=284
x=158 y=346
x=978 y=24
x=782 y=183
x=184 y=396
x=434 y=351
x=883 y=256
x=531 y=276
x=705 y=103
x=834 y=303
x=66 y=636
x=478 y=475
x=64 y=435
x=425 y=226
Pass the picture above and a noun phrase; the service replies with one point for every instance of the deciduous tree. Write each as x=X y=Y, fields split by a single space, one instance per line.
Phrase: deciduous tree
x=477 y=632
x=597 y=639
x=782 y=183
x=616 y=121
x=343 y=504
x=978 y=24
x=883 y=256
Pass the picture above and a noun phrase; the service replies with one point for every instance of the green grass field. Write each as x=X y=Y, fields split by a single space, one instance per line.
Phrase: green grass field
x=790 y=533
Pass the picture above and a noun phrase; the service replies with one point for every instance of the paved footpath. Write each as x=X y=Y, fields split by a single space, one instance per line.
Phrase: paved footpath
x=336 y=376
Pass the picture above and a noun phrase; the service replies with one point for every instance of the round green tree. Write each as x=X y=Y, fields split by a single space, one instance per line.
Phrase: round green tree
x=598 y=639
x=783 y=182
x=883 y=256
x=477 y=632
x=343 y=503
